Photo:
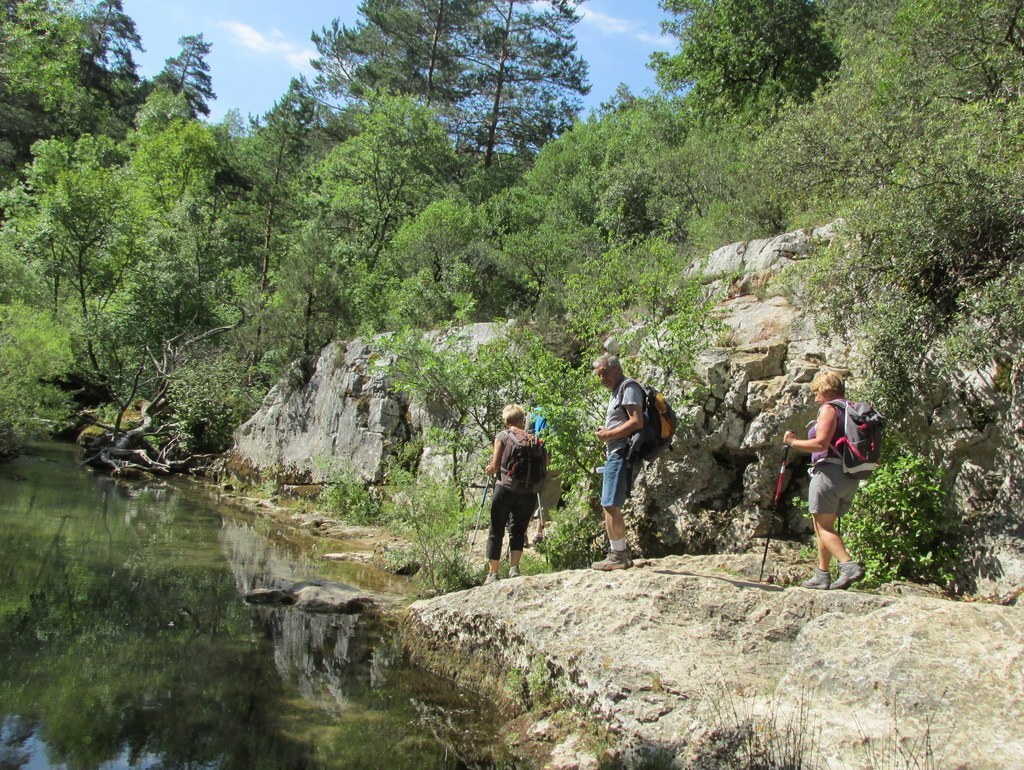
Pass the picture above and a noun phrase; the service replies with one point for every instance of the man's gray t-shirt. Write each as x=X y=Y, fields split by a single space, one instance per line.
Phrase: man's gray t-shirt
x=631 y=393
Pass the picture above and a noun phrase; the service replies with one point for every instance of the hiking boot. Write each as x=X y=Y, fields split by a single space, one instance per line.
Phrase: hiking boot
x=820 y=580
x=849 y=573
x=513 y=572
x=492 y=577
x=614 y=560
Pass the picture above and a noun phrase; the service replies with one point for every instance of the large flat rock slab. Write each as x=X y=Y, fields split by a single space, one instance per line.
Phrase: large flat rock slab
x=679 y=657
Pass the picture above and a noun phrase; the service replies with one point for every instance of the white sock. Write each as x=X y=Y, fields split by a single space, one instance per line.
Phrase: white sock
x=619 y=545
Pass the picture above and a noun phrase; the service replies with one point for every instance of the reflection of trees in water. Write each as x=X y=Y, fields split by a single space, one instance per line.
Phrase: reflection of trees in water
x=124 y=641
x=325 y=656
x=122 y=635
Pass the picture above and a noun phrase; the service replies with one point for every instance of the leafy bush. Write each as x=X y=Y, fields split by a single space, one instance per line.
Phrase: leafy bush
x=33 y=349
x=431 y=515
x=211 y=397
x=577 y=537
x=898 y=526
x=345 y=494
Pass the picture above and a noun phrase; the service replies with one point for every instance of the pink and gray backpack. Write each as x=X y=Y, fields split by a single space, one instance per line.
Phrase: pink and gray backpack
x=861 y=443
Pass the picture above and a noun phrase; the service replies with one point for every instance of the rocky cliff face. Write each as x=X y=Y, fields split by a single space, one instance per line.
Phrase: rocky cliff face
x=712 y=493
x=346 y=416
x=685 y=662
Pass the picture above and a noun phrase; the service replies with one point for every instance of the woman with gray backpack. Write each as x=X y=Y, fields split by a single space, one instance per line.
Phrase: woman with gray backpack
x=832 y=488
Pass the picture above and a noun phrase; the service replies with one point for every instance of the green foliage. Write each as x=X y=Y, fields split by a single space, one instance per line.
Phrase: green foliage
x=410 y=47
x=634 y=288
x=577 y=538
x=431 y=515
x=389 y=171
x=173 y=159
x=188 y=74
x=542 y=688
x=210 y=397
x=67 y=70
x=364 y=191
x=918 y=147
x=34 y=350
x=741 y=56
x=899 y=527
x=505 y=78
x=437 y=259
x=970 y=47
x=531 y=564
x=468 y=389
x=465 y=389
x=348 y=496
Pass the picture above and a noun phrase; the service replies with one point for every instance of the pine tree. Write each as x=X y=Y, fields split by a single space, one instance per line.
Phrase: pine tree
x=189 y=74
x=108 y=66
x=414 y=47
x=503 y=75
x=526 y=73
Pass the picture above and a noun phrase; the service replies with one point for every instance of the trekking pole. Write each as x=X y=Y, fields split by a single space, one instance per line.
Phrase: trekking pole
x=775 y=506
x=483 y=501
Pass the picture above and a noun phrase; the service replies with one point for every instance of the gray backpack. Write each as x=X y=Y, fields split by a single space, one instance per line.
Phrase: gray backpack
x=861 y=444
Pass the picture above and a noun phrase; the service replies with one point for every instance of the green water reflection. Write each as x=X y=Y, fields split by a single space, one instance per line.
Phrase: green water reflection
x=124 y=643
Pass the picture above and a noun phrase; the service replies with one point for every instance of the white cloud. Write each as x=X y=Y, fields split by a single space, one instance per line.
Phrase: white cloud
x=276 y=44
x=612 y=25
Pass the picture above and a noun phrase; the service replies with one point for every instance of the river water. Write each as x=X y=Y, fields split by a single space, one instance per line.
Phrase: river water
x=125 y=643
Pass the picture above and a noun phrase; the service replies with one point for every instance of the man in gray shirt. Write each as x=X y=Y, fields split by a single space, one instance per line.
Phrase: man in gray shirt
x=623 y=418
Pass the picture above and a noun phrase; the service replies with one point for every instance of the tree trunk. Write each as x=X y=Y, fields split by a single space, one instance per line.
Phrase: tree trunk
x=435 y=42
x=499 y=85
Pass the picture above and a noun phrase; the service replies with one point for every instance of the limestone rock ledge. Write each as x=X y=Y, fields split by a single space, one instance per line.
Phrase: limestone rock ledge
x=713 y=492
x=678 y=659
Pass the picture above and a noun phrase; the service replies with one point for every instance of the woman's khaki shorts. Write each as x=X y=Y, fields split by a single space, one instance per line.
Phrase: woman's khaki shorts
x=831 y=490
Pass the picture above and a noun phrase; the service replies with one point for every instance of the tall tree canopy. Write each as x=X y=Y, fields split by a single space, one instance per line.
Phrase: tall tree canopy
x=410 y=46
x=737 y=55
x=527 y=75
x=504 y=75
x=108 y=65
x=189 y=74
x=64 y=70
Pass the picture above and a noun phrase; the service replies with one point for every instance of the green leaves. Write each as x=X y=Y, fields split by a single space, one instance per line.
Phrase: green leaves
x=388 y=172
x=503 y=76
x=635 y=293
x=34 y=350
x=746 y=56
x=188 y=74
x=900 y=528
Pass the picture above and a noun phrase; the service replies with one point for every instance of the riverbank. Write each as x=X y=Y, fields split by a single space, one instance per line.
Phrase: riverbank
x=693 y=661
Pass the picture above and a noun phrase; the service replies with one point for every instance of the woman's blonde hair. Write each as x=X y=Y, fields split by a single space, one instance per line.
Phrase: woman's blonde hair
x=828 y=381
x=514 y=415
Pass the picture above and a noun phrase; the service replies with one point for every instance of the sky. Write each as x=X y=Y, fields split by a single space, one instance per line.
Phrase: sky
x=260 y=45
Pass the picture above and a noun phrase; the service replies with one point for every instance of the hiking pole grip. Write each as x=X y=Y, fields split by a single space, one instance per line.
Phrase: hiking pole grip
x=775 y=505
x=782 y=473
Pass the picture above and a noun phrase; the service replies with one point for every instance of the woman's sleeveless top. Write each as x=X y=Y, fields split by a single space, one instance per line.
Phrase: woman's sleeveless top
x=831 y=454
